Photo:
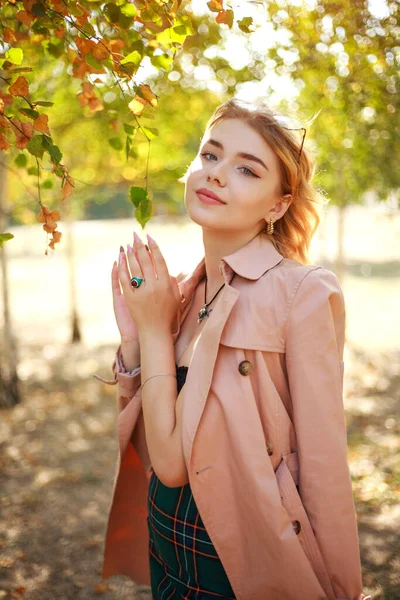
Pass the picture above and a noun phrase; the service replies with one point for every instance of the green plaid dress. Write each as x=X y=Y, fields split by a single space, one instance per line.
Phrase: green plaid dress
x=184 y=564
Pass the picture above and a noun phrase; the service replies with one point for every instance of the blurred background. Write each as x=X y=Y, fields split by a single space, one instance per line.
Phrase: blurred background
x=57 y=427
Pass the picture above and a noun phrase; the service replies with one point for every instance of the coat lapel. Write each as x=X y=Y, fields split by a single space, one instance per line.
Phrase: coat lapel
x=250 y=261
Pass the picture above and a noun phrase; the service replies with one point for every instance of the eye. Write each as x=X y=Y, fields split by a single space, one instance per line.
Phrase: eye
x=249 y=173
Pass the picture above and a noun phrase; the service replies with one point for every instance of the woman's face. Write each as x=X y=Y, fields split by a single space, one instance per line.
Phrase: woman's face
x=249 y=189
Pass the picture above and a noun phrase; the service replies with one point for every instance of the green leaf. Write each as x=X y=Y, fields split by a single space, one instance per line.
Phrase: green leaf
x=15 y=55
x=21 y=160
x=43 y=103
x=37 y=27
x=33 y=171
x=112 y=12
x=137 y=195
x=134 y=57
x=116 y=143
x=129 y=10
x=230 y=15
x=245 y=23
x=35 y=146
x=139 y=198
x=20 y=70
x=5 y=237
x=128 y=145
x=47 y=185
x=150 y=132
x=28 y=112
x=92 y=61
x=38 y=10
x=129 y=129
x=52 y=149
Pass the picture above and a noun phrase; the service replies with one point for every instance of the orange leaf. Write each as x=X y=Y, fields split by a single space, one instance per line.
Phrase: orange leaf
x=55 y=239
x=60 y=32
x=55 y=215
x=44 y=213
x=100 y=51
x=116 y=45
x=28 y=4
x=215 y=4
x=4 y=145
x=67 y=189
x=222 y=17
x=8 y=36
x=95 y=104
x=23 y=133
x=25 y=17
x=41 y=124
x=87 y=88
x=20 y=87
x=60 y=7
x=49 y=228
x=148 y=94
x=84 y=45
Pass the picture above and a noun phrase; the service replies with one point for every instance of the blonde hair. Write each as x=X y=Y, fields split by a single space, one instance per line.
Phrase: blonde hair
x=294 y=230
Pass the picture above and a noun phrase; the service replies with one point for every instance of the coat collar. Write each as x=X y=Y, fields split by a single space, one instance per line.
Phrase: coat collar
x=250 y=261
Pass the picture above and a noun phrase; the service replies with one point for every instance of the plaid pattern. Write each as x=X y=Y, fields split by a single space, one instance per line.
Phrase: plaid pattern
x=184 y=564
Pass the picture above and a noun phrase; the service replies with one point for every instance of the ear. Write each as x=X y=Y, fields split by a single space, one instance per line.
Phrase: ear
x=281 y=206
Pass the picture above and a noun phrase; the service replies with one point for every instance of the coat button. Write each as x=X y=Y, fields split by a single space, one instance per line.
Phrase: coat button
x=270 y=448
x=245 y=367
x=296 y=526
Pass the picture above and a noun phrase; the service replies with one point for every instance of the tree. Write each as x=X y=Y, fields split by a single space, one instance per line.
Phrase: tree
x=104 y=43
x=345 y=62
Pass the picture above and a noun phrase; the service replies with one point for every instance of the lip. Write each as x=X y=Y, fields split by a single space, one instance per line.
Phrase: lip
x=208 y=197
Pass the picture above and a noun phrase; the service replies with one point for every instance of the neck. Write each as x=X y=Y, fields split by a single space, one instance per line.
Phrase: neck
x=216 y=246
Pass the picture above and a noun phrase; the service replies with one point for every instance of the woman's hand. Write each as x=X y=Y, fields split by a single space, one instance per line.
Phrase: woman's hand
x=153 y=306
x=125 y=323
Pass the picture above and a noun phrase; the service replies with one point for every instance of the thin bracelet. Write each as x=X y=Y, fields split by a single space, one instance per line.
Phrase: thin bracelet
x=174 y=374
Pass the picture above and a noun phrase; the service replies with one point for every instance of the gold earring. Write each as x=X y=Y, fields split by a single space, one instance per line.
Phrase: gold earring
x=270 y=227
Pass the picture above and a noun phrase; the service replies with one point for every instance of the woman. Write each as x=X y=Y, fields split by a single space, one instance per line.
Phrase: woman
x=232 y=480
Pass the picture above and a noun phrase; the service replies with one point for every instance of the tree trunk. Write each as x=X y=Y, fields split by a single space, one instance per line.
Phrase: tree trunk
x=340 y=244
x=75 y=324
x=9 y=383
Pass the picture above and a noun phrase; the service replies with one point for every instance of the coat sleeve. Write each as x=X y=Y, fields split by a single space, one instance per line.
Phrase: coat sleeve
x=315 y=368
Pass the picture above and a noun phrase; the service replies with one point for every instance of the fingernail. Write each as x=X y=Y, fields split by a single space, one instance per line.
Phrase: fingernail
x=121 y=249
x=137 y=238
x=130 y=249
x=150 y=240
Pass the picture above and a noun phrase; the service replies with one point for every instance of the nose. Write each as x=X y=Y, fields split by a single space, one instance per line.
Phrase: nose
x=215 y=173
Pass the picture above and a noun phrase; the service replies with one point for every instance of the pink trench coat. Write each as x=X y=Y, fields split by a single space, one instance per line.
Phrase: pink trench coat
x=262 y=413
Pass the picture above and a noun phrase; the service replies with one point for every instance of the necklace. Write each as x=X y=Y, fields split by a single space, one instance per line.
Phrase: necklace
x=204 y=312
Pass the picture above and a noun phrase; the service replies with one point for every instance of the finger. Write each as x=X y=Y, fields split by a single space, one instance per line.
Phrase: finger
x=145 y=260
x=133 y=262
x=159 y=260
x=123 y=273
x=175 y=289
x=116 y=290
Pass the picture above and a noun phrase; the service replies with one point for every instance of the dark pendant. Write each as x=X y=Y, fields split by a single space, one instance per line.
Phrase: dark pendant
x=203 y=313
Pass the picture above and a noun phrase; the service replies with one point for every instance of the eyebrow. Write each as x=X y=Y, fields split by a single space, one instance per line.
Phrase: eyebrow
x=241 y=154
